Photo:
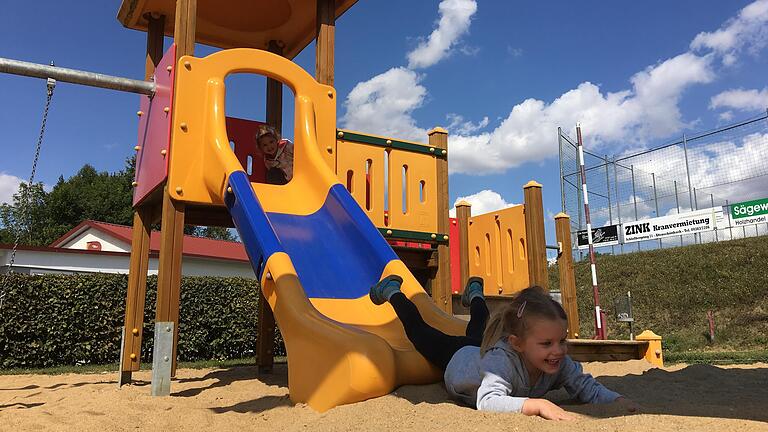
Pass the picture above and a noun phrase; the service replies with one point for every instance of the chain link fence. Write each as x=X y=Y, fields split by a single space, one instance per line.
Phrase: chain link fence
x=709 y=169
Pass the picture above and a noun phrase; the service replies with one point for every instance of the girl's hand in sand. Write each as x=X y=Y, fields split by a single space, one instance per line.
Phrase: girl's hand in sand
x=545 y=409
x=628 y=404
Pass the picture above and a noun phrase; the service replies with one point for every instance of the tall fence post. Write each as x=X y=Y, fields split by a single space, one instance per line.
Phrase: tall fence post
x=728 y=209
x=608 y=194
x=634 y=197
x=656 y=201
x=712 y=203
x=567 y=276
x=618 y=196
x=562 y=180
x=677 y=203
x=599 y=327
x=696 y=206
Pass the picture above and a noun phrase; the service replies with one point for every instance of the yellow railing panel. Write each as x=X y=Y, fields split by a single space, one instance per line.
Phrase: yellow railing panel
x=412 y=191
x=360 y=168
x=497 y=250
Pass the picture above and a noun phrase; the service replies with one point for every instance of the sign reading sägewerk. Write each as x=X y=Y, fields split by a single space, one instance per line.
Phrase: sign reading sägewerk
x=603 y=236
x=749 y=212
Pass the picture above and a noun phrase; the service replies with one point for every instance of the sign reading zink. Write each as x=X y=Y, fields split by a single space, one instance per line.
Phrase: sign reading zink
x=603 y=236
x=673 y=225
x=749 y=212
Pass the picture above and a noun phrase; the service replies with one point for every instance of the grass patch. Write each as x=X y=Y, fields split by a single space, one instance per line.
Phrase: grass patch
x=672 y=290
x=716 y=357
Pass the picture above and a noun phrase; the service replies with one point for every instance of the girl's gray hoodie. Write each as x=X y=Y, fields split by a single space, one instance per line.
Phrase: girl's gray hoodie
x=499 y=381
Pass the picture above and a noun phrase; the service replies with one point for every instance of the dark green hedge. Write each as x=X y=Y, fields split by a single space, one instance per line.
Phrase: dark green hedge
x=59 y=320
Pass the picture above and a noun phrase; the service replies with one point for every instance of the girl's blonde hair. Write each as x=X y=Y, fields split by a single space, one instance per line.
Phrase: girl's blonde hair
x=266 y=130
x=514 y=319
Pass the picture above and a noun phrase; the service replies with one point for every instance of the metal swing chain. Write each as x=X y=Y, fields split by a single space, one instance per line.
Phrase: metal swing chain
x=51 y=84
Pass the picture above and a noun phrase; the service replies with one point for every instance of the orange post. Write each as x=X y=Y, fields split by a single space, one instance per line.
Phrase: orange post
x=534 y=232
x=567 y=276
x=441 y=285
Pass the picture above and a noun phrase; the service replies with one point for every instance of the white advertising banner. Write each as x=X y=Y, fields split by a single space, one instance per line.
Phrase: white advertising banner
x=674 y=225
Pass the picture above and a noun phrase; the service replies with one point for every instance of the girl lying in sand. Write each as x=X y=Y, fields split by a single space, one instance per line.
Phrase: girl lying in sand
x=508 y=365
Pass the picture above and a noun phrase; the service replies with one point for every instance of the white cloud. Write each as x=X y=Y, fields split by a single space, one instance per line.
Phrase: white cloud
x=455 y=16
x=726 y=116
x=740 y=99
x=459 y=126
x=747 y=30
x=9 y=185
x=483 y=202
x=383 y=105
x=528 y=134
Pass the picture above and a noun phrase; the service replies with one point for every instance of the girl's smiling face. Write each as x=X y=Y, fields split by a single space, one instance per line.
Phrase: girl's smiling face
x=268 y=144
x=543 y=347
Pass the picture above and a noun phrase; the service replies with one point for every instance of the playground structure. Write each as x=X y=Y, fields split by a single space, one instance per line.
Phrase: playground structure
x=318 y=243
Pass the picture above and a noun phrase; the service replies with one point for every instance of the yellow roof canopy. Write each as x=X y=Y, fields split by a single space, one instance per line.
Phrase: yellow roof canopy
x=238 y=23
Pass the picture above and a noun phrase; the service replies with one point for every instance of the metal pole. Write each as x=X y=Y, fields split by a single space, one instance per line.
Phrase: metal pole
x=656 y=200
x=730 y=227
x=75 y=76
x=599 y=328
x=562 y=181
x=579 y=208
x=618 y=196
x=634 y=197
x=712 y=202
x=696 y=204
x=688 y=174
x=608 y=194
x=677 y=203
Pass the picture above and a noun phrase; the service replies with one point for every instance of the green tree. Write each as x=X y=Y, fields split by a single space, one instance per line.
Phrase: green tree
x=102 y=196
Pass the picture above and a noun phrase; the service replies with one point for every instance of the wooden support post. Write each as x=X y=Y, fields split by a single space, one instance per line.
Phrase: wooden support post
x=274 y=110
x=463 y=213
x=133 y=324
x=567 y=276
x=169 y=267
x=441 y=285
x=534 y=233
x=325 y=33
x=184 y=27
x=172 y=219
x=154 y=43
x=265 y=341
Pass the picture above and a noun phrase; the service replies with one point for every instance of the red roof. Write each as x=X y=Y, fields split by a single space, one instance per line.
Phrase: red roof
x=192 y=246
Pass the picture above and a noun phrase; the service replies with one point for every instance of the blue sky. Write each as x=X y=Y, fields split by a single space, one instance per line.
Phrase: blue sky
x=500 y=75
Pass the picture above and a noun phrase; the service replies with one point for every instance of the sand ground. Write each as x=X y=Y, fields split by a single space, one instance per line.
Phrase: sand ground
x=678 y=398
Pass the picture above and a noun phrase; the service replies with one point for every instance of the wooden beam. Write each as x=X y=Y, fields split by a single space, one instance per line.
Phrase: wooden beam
x=441 y=284
x=567 y=276
x=275 y=93
x=169 y=267
x=143 y=216
x=463 y=213
x=154 y=43
x=265 y=339
x=172 y=219
x=324 y=47
x=136 y=293
x=534 y=233
x=184 y=27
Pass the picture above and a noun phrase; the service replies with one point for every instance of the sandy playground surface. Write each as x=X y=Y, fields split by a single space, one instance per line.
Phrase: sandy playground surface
x=687 y=398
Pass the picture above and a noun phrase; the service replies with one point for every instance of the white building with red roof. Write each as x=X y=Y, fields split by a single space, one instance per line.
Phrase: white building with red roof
x=99 y=247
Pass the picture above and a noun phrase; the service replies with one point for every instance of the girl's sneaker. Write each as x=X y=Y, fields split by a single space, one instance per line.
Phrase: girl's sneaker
x=382 y=291
x=474 y=288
